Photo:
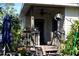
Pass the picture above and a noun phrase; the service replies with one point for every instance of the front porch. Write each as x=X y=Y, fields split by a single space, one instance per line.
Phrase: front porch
x=42 y=17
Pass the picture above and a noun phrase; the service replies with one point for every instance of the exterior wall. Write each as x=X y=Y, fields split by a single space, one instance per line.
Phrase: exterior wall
x=70 y=13
x=28 y=21
x=23 y=22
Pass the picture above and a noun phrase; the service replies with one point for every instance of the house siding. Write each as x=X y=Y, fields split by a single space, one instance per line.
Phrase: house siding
x=70 y=13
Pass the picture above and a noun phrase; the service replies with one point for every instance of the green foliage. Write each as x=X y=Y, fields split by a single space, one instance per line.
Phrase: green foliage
x=23 y=52
x=69 y=44
x=8 y=8
x=15 y=30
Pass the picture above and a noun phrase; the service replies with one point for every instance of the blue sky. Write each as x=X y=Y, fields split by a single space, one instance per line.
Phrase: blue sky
x=18 y=7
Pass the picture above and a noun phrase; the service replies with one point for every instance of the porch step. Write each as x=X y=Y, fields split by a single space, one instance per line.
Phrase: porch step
x=49 y=49
x=45 y=50
x=52 y=54
x=45 y=47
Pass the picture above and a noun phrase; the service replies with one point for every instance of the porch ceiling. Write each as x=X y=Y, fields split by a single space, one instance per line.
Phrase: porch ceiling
x=28 y=6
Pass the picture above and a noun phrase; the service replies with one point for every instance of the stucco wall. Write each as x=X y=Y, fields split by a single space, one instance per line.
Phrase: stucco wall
x=70 y=13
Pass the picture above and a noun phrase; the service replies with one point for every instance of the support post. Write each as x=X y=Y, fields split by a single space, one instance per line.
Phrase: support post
x=38 y=39
x=52 y=38
x=32 y=21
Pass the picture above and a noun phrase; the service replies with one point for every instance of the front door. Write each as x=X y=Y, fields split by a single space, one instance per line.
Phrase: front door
x=39 y=24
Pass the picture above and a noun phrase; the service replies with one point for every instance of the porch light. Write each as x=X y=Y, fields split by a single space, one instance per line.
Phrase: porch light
x=58 y=17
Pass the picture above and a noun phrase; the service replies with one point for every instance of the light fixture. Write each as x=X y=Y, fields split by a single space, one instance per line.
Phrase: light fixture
x=58 y=16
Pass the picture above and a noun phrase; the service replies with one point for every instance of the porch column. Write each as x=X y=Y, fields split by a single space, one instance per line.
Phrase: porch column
x=52 y=38
x=36 y=37
x=32 y=26
x=32 y=21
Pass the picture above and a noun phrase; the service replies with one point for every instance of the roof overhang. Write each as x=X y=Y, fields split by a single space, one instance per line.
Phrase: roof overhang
x=26 y=6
